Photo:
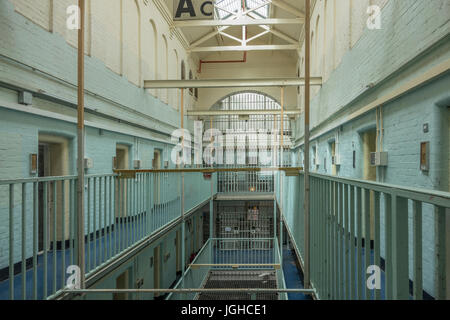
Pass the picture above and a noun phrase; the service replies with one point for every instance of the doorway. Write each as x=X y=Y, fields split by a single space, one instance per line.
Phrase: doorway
x=370 y=173
x=121 y=161
x=369 y=145
x=157 y=269
x=178 y=250
x=122 y=282
x=333 y=156
x=53 y=161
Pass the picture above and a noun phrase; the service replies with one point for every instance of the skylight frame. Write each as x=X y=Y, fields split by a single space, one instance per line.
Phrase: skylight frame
x=235 y=6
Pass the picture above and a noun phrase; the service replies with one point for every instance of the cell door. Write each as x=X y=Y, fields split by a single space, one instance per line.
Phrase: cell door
x=122 y=282
x=157 y=269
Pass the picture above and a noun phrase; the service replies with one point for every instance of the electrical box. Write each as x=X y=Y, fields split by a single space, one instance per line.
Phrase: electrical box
x=25 y=98
x=425 y=156
x=379 y=159
x=88 y=163
x=137 y=164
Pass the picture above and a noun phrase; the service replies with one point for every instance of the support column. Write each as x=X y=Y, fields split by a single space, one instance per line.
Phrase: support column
x=307 y=93
x=183 y=222
x=274 y=217
x=281 y=173
x=211 y=229
x=80 y=147
x=211 y=207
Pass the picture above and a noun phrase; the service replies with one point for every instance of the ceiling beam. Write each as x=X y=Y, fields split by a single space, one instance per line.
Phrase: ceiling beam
x=273 y=31
x=229 y=83
x=212 y=113
x=259 y=35
x=231 y=37
x=283 y=47
x=289 y=8
x=236 y=22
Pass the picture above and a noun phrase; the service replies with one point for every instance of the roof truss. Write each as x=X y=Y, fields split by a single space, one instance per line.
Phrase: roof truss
x=244 y=18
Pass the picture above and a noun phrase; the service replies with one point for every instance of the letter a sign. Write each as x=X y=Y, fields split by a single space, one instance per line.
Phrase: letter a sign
x=193 y=10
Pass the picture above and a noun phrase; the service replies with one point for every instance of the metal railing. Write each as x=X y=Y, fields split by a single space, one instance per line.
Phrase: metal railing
x=360 y=229
x=39 y=217
x=235 y=182
x=230 y=254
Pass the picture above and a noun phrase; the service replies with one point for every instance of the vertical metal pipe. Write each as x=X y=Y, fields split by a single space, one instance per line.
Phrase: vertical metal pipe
x=183 y=223
x=307 y=87
x=80 y=143
x=281 y=173
x=111 y=216
x=24 y=239
x=45 y=242
x=105 y=214
x=367 y=239
x=11 y=241
x=440 y=252
x=89 y=225
x=417 y=253
x=377 y=241
x=35 y=237
x=63 y=232
x=55 y=234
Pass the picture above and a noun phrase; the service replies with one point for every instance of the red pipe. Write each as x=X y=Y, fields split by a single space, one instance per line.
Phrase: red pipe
x=244 y=59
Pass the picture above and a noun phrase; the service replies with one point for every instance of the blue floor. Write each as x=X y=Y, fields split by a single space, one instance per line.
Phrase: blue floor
x=293 y=276
x=93 y=259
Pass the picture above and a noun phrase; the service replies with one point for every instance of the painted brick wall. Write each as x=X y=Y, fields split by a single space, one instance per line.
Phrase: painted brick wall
x=408 y=28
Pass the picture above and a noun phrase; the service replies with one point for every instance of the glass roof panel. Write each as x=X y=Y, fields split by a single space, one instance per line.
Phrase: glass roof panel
x=236 y=5
x=263 y=12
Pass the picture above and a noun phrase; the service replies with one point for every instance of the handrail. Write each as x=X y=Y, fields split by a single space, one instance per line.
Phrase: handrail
x=194 y=290
x=440 y=198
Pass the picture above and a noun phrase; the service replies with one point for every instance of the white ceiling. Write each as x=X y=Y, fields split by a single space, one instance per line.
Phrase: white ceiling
x=292 y=31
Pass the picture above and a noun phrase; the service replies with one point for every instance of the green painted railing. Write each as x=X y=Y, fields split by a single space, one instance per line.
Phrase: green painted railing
x=38 y=236
x=358 y=226
x=231 y=254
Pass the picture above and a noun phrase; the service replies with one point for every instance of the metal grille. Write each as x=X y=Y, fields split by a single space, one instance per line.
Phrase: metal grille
x=240 y=279
x=234 y=220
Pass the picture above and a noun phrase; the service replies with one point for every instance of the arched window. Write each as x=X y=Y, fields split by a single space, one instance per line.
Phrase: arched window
x=191 y=77
x=316 y=47
x=183 y=70
x=154 y=49
x=174 y=74
x=165 y=66
x=248 y=100
x=312 y=52
x=196 y=92
x=248 y=129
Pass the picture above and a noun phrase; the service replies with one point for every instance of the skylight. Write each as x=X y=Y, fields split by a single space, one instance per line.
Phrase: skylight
x=234 y=6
